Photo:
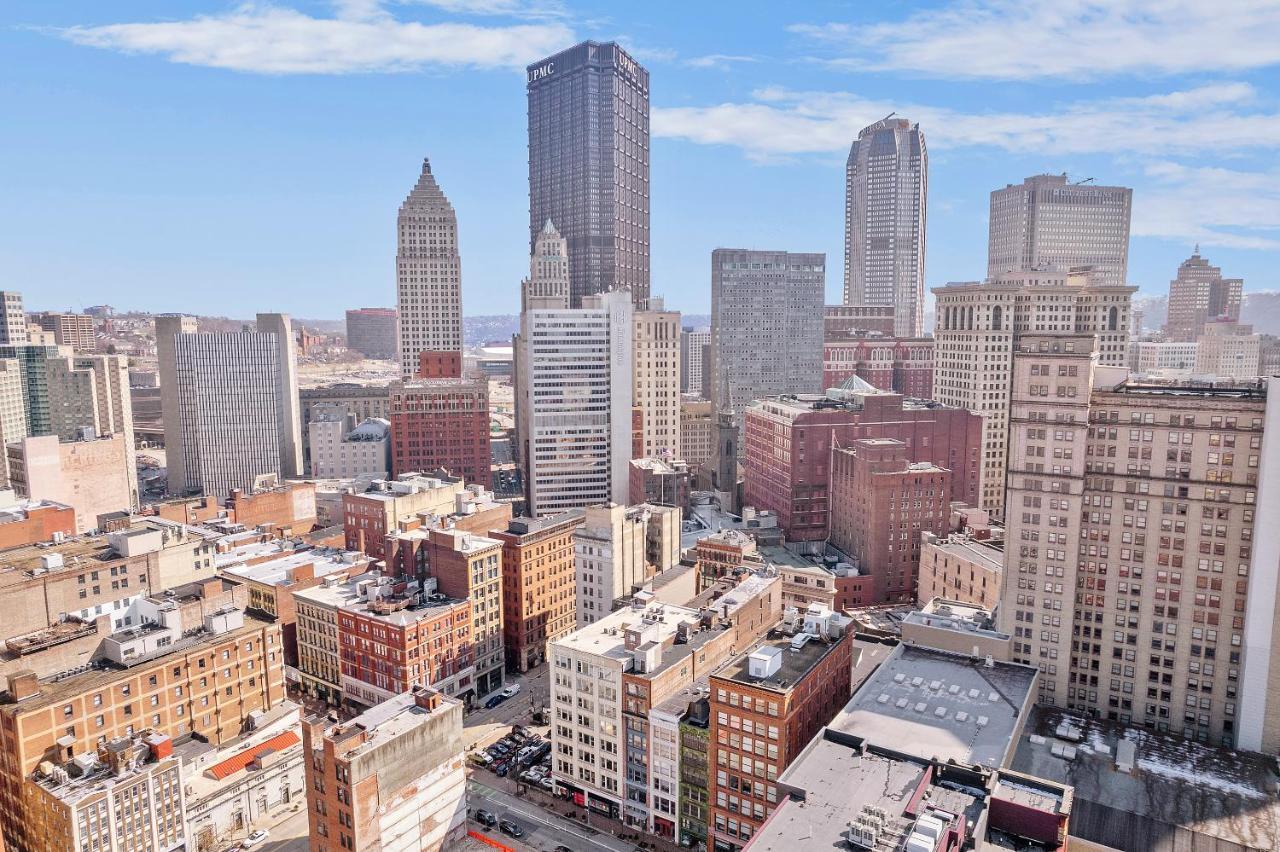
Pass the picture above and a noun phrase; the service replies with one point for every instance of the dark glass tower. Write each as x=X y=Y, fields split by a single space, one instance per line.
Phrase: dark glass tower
x=589 y=165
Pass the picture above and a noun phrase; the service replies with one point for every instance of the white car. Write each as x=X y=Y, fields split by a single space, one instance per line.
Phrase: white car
x=513 y=689
x=257 y=838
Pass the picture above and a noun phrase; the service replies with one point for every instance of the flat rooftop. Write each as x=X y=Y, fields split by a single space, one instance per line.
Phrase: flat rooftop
x=795 y=664
x=385 y=721
x=1180 y=794
x=279 y=571
x=987 y=553
x=346 y=596
x=831 y=782
x=533 y=526
x=606 y=638
x=935 y=704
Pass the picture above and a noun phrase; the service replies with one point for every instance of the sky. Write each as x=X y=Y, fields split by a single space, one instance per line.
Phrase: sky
x=226 y=158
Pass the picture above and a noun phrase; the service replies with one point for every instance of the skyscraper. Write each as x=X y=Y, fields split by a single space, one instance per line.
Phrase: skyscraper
x=372 y=332
x=1045 y=221
x=1199 y=294
x=589 y=165
x=694 y=343
x=428 y=274
x=978 y=327
x=655 y=384
x=766 y=326
x=230 y=404
x=886 y=189
x=573 y=380
x=13 y=320
x=548 y=283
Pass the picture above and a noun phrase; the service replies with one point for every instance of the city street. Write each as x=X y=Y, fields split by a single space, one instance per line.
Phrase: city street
x=481 y=725
x=543 y=830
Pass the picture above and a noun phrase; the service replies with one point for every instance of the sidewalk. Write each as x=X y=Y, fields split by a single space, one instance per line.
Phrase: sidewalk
x=551 y=804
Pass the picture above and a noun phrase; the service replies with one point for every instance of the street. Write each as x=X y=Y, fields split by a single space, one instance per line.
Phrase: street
x=482 y=725
x=543 y=830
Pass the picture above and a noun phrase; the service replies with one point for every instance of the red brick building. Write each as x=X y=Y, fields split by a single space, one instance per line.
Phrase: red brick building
x=900 y=364
x=765 y=707
x=441 y=423
x=35 y=521
x=434 y=364
x=537 y=585
x=788 y=444
x=880 y=504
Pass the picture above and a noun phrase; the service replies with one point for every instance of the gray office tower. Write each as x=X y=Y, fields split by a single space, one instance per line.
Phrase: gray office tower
x=886 y=193
x=766 y=325
x=589 y=165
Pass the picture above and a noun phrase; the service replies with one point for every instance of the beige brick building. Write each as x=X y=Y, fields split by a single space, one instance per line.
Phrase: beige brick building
x=655 y=379
x=960 y=567
x=1134 y=580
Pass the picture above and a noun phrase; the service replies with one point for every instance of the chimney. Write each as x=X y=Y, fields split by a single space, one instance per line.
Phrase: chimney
x=426 y=698
x=23 y=684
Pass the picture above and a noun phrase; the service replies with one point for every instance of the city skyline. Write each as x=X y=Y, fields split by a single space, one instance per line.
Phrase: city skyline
x=744 y=125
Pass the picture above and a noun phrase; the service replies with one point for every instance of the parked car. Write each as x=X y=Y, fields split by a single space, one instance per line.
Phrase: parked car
x=547 y=784
x=485 y=818
x=481 y=758
x=502 y=769
x=511 y=690
x=257 y=838
x=495 y=701
x=510 y=828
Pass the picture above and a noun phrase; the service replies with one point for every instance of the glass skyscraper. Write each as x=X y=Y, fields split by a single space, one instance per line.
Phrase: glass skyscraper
x=589 y=165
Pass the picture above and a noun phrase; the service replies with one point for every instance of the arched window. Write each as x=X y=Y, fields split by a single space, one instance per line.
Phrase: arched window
x=997 y=315
x=1113 y=316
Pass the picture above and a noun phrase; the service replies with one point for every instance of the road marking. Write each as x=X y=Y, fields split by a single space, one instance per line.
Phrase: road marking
x=551 y=825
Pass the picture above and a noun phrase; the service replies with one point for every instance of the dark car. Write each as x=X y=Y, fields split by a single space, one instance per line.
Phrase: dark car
x=501 y=769
x=495 y=701
x=485 y=818
x=563 y=848
x=510 y=829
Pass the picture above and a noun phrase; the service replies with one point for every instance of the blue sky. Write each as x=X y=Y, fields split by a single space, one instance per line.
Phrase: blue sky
x=226 y=158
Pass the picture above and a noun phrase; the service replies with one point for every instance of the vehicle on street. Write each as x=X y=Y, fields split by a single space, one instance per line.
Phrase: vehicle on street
x=255 y=839
x=510 y=828
x=485 y=818
x=482 y=758
x=547 y=784
x=511 y=690
x=494 y=701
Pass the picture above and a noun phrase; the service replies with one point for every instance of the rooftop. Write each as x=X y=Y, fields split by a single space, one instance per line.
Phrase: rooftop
x=987 y=552
x=91 y=774
x=384 y=722
x=406 y=606
x=279 y=571
x=935 y=704
x=1213 y=795
x=534 y=526
x=791 y=669
x=955 y=615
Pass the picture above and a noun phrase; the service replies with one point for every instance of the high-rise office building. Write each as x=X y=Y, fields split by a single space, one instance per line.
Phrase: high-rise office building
x=13 y=320
x=886 y=190
x=1198 y=295
x=694 y=344
x=74 y=330
x=428 y=274
x=1045 y=221
x=656 y=379
x=574 y=403
x=589 y=165
x=1139 y=576
x=548 y=283
x=372 y=332
x=766 y=326
x=978 y=327
x=230 y=405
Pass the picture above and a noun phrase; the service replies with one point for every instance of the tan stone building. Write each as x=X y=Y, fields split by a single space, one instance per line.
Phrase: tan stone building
x=207 y=682
x=1136 y=578
x=960 y=567
x=977 y=330
x=94 y=476
x=655 y=386
x=697 y=432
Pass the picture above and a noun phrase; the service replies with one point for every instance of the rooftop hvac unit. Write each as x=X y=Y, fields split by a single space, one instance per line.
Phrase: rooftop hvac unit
x=863 y=836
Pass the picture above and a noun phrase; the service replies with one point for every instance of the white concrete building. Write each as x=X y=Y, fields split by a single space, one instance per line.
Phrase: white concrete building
x=13 y=319
x=1228 y=350
x=694 y=342
x=574 y=403
x=886 y=194
x=428 y=274
x=1046 y=221
x=342 y=450
x=230 y=405
x=618 y=549
x=1173 y=359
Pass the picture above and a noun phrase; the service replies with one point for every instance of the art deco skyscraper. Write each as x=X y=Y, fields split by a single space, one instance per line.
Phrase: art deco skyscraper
x=589 y=165
x=548 y=283
x=886 y=189
x=428 y=274
x=1199 y=294
x=1045 y=221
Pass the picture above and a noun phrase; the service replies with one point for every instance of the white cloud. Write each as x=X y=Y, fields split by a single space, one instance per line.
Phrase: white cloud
x=508 y=8
x=362 y=37
x=781 y=122
x=1081 y=39
x=719 y=61
x=1209 y=205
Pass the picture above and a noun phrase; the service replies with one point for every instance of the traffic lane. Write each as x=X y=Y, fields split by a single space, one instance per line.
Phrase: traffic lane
x=543 y=830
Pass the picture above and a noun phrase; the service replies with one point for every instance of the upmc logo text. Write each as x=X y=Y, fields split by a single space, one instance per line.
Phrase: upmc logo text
x=542 y=72
x=625 y=63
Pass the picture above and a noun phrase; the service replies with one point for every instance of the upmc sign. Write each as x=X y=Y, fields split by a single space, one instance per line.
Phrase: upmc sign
x=624 y=63
x=542 y=72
